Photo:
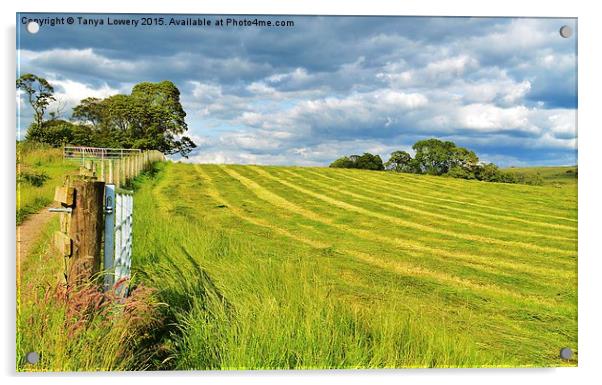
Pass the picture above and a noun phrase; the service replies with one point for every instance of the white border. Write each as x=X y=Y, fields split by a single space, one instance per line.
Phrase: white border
x=590 y=191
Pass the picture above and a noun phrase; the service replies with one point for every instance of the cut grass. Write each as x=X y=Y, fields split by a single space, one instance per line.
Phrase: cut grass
x=287 y=267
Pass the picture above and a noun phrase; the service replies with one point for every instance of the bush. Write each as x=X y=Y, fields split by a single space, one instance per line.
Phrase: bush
x=459 y=172
x=36 y=179
x=366 y=161
x=54 y=132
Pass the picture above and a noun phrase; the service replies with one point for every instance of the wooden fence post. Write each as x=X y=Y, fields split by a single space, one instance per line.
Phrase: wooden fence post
x=123 y=168
x=110 y=172
x=102 y=170
x=118 y=172
x=85 y=228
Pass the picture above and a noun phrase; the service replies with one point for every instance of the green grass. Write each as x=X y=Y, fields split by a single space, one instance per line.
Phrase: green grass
x=288 y=267
x=566 y=175
x=39 y=159
x=79 y=328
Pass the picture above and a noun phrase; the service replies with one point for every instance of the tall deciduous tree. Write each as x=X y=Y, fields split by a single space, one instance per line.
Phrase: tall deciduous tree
x=39 y=95
x=151 y=117
x=399 y=161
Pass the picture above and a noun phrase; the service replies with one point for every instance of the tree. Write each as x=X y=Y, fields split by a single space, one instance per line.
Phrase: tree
x=39 y=94
x=343 y=162
x=366 y=161
x=151 y=117
x=370 y=162
x=89 y=111
x=434 y=156
x=55 y=132
x=400 y=161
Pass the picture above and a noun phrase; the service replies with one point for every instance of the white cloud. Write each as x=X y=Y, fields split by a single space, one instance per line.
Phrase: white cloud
x=69 y=92
x=487 y=117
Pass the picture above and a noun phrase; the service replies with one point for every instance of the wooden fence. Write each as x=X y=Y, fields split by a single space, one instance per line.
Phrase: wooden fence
x=83 y=207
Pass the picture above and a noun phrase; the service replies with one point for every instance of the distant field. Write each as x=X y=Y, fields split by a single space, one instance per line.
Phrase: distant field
x=287 y=267
x=548 y=175
x=38 y=159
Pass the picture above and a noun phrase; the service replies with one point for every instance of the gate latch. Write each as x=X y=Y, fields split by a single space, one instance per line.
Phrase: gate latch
x=109 y=205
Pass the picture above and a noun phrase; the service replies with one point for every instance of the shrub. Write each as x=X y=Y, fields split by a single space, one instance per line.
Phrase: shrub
x=36 y=179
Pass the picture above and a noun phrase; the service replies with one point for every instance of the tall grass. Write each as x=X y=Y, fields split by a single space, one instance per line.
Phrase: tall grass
x=40 y=168
x=243 y=296
x=79 y=327
x=299 y=268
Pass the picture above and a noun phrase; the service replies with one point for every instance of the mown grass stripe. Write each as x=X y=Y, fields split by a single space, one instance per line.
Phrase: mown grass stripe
x=417 y=226
x=216 y=196
x=447 y=218
x=485 y=264
x=411 y=246
x=479 y=193
x=425 y=198
x=397 y=266
x=436 y=196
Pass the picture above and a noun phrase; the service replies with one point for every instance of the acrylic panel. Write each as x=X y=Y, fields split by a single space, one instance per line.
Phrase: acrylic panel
x=207 y=192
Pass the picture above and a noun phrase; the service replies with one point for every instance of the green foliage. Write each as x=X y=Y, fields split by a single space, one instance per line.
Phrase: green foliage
x=541 y=176
x=435 y=157
x=366 y=161
x=151 y=117
x=401 y=161
x=39 y=94
x=343 y=162
x=36 y=179
x=56 y=133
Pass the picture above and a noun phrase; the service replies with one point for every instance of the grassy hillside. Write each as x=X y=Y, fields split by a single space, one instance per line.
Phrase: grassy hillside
x=566 y=175
x=285 y=267
x=40 y=168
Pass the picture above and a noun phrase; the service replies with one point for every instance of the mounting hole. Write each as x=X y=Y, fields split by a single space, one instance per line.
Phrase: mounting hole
x=32 y=358
x=566 y=353
x=566 y=31
x=33 y=27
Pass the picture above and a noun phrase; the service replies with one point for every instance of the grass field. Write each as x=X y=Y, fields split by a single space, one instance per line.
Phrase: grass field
x=565 y=175
x=287 y=267
x=40 y=160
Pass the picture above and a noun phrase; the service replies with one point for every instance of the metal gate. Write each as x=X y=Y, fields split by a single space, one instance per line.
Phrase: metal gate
x=119 y=215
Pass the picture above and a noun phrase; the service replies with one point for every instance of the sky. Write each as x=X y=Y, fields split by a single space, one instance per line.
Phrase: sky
x=330 y=86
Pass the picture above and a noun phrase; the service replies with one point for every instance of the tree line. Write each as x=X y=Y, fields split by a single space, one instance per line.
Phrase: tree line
x=432 y=157
x=151 y=117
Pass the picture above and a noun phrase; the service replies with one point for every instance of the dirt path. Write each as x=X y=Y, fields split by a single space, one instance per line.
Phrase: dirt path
x=29 y=232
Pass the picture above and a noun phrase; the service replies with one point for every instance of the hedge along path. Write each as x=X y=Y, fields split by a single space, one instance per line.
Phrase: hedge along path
x=402 y=222
x=435 y=196
x=424 y=201
x=397 y=266
x=412 y=248
x=405 y=208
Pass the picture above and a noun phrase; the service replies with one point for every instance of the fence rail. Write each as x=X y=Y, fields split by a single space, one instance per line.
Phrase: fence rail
x=117 y=170
x=82 y=153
